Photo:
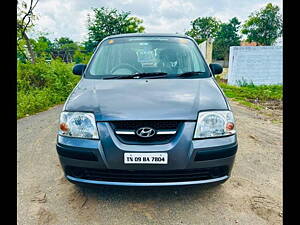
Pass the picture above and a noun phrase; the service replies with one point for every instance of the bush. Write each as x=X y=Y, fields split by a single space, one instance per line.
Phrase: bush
x=80 y=57
x=42 y=85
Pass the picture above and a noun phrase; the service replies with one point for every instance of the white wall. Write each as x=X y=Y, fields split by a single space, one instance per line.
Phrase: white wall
x=257 y=64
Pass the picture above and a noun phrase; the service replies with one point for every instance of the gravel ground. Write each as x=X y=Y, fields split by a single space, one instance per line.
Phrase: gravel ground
x=253 y=194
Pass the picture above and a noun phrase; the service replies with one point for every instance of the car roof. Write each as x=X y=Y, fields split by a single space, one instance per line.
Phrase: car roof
x=148 y=35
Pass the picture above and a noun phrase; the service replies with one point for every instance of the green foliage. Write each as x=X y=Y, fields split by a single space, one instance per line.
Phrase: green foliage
x=134 y=25
x=89 y=46
x=110 y=22
x=80 y=57
x=65 y=48
x=42 y=85
x=203 y=28
x=245 y=83
x=60 y=47
x=21 y=51
x=64 y=44
x=252 y=93
x=226 y=36
x=264 y=26
x=42 y=47
x=36 y=101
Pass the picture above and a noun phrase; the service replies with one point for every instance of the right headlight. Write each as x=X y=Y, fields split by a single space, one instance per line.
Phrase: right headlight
x=214 y=124
x=78 y=124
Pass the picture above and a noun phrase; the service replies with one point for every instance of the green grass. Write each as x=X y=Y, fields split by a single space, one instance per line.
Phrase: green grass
x=251 y=95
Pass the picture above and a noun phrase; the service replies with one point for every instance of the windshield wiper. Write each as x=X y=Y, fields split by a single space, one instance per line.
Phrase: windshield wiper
x=137 y=75
x=188 y=74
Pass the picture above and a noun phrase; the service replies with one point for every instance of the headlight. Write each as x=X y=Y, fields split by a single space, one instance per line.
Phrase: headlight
x=214 y=124
x=78 y=124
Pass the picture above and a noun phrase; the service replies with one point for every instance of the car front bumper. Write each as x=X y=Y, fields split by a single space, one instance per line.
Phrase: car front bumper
x=190 y=162
x=146 y=184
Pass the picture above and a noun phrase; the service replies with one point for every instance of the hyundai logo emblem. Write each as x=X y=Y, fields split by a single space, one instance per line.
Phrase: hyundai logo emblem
x=145 y=132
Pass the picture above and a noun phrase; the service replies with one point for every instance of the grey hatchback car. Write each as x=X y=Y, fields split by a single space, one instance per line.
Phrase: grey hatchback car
x=147 y=112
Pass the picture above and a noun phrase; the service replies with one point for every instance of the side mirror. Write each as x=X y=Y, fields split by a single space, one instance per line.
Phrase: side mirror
x=216 y=68
x=78 y=69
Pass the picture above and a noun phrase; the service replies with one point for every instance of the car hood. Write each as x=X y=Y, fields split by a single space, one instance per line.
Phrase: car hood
x=146 y=99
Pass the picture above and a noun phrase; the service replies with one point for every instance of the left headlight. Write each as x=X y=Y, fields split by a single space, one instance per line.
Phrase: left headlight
x=214 y=124
x=78 y=124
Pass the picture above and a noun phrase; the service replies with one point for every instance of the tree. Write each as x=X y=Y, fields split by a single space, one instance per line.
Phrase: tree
x=227 y=36
x=42 y=47
x=89 y=45
x=203 y=28
x=65 y=48
x=65 y=44
x=25 y=18
x=80 y=56
x=264 y=26
x=21 y=51
x=109 y=22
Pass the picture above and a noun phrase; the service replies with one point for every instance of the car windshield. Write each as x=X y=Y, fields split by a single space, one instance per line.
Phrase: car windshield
x=154 y=55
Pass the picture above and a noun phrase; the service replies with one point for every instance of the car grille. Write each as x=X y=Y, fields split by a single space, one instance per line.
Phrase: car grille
x=147 y=176
x=158 y=138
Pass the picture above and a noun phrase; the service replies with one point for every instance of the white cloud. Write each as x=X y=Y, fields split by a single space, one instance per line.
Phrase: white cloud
x=69 y=18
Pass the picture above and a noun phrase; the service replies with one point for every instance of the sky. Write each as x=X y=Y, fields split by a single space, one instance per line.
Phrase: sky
x=68 y=18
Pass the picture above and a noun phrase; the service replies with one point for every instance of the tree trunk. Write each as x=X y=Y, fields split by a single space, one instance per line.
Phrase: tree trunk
x=31 y=53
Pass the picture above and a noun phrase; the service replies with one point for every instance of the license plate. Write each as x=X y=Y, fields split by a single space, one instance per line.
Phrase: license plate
x=146 y=158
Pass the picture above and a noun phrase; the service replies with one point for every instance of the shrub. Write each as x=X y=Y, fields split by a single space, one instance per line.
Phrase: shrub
x=42 y=85
x=80 y=57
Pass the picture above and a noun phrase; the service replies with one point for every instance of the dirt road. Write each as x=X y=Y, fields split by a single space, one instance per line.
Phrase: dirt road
x=253 y=195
